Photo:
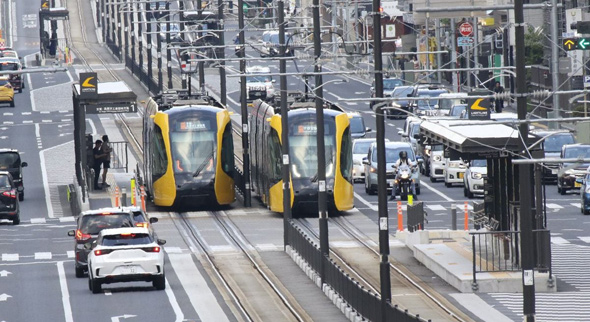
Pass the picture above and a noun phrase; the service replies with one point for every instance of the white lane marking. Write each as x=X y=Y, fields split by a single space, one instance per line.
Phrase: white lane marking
x=559 y=240
x=435 y=207
x=368 y=204
x=45 y=181
x=480 y=308
x=10 y=257
x=585 y=239
x=38 y=221
x=45 y=112
x=576 y=204
x=174 y=303
x=71 y=254
x=199 y=293
x=435 y=191
x=8 y=114
x=553 y=206
x=65 y=295
x=173 y=250
x=27 y=122
x=67 y=219
x=26 y=113
x=43 y=255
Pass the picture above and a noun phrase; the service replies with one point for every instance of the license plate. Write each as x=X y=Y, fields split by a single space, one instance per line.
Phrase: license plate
x=128 y=270
x=461 y=174
x=554 y=171
x=577 y=184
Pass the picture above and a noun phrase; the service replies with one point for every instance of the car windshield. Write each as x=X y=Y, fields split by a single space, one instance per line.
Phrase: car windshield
x=457 y=110
x=479 y=163
x=4 y=181
x=361 y=147
x=554 y=143
x=3 y=82
x=93 y=224
x=426 y=104
x=357 y=125
x=447 y=103
x=402 y=91
x=126 y=239
x=9 y=160
x=391 y=83
x=415 y=129
x=392 y=154
x=257 y=79
x=577 y=152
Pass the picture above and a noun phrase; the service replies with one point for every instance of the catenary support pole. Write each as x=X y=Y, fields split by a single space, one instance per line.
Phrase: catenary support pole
x=159 y=53
x=319 y=107
x=149 y=51
x=244 y=106
x=381 y=171
x=284 y=124
x=526 y=195
x=555 y=62
x=133 y=36
x=181 y=27
x=221 y=54
x=201 y=64
x=168 y=50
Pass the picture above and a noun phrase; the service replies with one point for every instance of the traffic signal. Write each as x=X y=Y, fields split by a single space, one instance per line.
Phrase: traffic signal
x=576 y=43
x=583 y=27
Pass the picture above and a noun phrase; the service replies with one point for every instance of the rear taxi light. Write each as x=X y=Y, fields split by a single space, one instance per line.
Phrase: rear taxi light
x=99 y=252
x=155 y=249
x=81 y=236
x=142 y=224
x=9 y=194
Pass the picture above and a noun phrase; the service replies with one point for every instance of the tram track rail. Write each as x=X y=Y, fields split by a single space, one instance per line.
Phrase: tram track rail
x=398 y=272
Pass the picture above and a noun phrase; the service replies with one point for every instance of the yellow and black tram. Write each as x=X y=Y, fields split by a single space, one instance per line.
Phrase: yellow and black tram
x=266 y=161
x=188 y=151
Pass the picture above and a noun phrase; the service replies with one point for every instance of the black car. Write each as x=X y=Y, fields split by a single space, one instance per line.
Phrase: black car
x=552 y=143
x=10 y=161
x=389 y=84
x=569 y=173
x=9 y=208
x=89 y=224
x=400 y=105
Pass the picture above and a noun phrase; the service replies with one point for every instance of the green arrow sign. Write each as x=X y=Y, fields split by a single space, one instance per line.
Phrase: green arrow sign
x=583 y=43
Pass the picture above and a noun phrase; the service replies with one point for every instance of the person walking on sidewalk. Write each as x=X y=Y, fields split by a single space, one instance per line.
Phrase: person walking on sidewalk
x=499 y=102
x=97 y=156
x=106 y=163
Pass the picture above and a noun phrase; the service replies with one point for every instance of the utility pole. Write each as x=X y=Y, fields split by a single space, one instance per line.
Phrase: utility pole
x=159 y=50
x=181 y=27
x=140 y=35
x=244 y=106
x=103 y=17
x=222 y=85
x=454 y=55
x=438 y=55
x=526 y=196
x=126 y=30
x=168 y=51
x=284 y=124
x=201 y=64
x=132 y=23
x=119 y=37
x=319 y=107
x=381 y=171
x=555 y=63
x=149 y=48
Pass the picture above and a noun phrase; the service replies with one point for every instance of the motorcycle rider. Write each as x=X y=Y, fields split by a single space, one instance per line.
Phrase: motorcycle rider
x=403 y=160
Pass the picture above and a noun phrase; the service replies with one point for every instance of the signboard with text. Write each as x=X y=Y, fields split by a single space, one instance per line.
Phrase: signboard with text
x=478 y=108
x=88 y=86
x=107 y=108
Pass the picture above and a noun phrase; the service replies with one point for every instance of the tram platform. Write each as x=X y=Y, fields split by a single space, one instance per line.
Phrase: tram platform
x=449 y=254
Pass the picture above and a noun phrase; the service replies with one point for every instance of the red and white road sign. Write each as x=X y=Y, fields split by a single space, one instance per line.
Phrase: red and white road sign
x=466 y=29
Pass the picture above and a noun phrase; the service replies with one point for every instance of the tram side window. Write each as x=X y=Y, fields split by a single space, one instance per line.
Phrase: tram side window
x=346 y=155
x=275 y=156
x=227 y=150
x=159 y=160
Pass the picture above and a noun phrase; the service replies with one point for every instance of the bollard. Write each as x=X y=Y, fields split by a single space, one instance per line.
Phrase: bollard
x=123 y=197
x=142 y=192
x=400 y=217
x=116 y=196
x=466 y=209
x=410 y=200
x=133 y=192
x=454 y=216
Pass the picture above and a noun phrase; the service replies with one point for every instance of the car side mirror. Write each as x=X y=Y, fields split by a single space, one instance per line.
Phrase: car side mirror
x=416 y=136
x=368 y=129
x=400 y=132
x=274 y=80
x=404 y=135
x=71 y=233
x=153 y=220
x=24 y=164
x=161 y=242
x=366 y=161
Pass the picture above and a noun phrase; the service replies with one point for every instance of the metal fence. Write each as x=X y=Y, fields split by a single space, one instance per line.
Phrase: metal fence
x=361 y=300
x=499 y=251
x=119 y=156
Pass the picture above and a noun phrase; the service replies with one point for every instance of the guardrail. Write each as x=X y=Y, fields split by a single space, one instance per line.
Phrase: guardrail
x=362 y=301
x=499 y=251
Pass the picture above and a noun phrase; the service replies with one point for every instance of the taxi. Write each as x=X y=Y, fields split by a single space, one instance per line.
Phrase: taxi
x=6 y=91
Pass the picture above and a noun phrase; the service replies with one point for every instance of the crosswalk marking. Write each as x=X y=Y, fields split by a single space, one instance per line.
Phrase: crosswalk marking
x=553 y=206
x=576 y=204
x=435 y=207
x=173 y=250
x=67 y=219
x=38 y=221
x=43 y=255
x=559 y=240
x=585 y=239
x=71 y=254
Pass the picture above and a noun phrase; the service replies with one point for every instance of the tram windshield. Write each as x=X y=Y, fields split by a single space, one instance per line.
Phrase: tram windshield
x=193 y=147
x=303 y=149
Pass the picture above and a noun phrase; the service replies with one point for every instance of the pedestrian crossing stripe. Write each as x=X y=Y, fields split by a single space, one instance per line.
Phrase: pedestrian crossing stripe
x=576 y=204
x=436 y=207
x=559 y=240
x=10 y=257
x=585 y=239
x=553 y=206
x=43 y=255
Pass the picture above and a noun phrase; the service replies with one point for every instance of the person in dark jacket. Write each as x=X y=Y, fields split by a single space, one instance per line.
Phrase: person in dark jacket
x=98 y=156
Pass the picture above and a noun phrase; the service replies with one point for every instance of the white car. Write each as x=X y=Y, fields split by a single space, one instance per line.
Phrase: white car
x=474 y=177
x=360 y=149
x=436 y=163
x=259 y=86
x=454 y=171
x=125 y=255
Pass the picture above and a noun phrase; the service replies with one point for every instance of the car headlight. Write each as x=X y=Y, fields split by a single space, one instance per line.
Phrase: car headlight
x=427 y=152
x=476 y=175
x=437 y=158
x=405 y=176
x=373 y=170
x=454 y=164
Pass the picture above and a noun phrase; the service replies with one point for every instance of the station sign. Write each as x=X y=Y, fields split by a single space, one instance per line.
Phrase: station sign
x=108 y=108
x=88 y=86
x=478 y=108
x=45 y=4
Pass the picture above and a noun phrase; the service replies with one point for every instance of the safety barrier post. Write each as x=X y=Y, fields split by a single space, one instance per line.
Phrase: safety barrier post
x=142 y=192
x=400 y=217
x=123 y=197
x=116 y=196
x=133 y=192
x=466 y=209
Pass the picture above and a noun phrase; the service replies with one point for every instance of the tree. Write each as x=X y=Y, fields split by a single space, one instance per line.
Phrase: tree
x=533 y=45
